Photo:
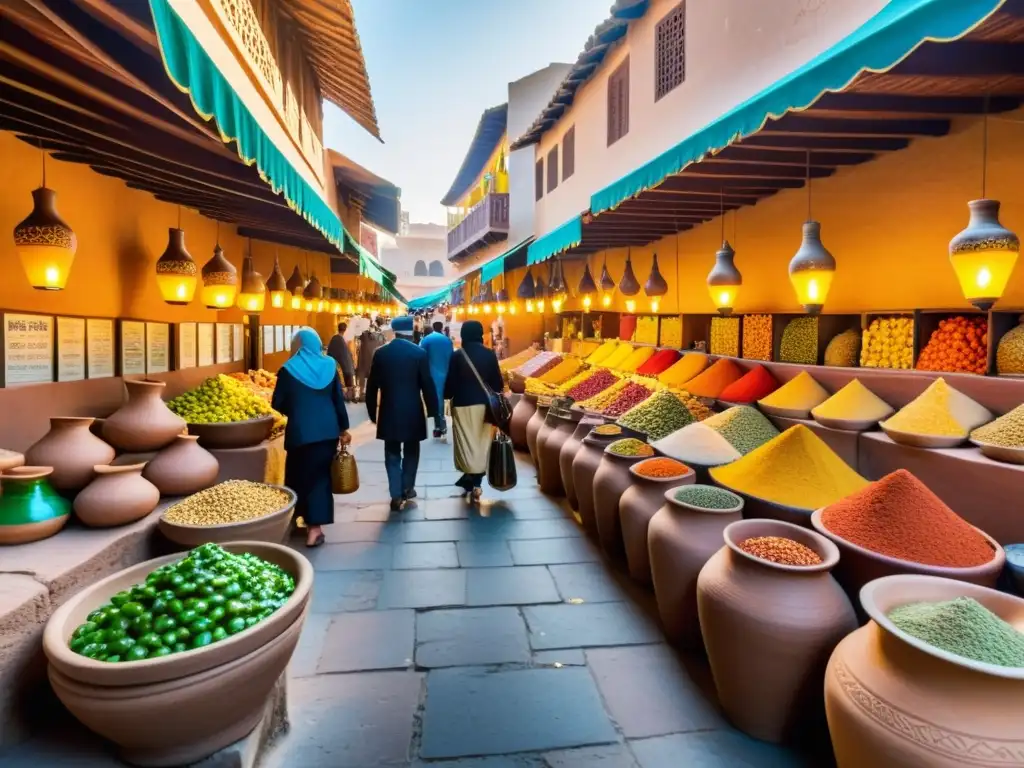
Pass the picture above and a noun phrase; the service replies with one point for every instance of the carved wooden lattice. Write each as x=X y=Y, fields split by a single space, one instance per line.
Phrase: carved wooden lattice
x=247 y=26
x=670 y=51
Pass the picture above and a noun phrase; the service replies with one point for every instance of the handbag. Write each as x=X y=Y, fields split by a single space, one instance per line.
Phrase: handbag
x=344 y=472
x=499 y=409
x=501 y=463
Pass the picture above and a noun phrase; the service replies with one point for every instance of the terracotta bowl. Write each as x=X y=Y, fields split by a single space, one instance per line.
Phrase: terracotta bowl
x=69 y=616
x=271 y=528
x=847 y=425
x=755 y=508
x=922 y=441
x=181 y=721
x=1000 y=452
x=785 y=413
x=233 y=434
x=858 y=565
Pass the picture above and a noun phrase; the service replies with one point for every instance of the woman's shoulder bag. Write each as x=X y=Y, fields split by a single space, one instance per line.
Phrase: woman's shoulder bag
x=499 y=409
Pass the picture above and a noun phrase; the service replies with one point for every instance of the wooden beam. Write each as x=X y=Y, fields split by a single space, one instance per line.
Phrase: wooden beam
x=714 y=167
x=826 y=143
x=860 y=101
x=797 y=123
x=744 y=154
x=964 y=58
x=687 y=181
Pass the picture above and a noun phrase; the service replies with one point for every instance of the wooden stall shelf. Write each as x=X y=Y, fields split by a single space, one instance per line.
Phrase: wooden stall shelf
x=696 y=328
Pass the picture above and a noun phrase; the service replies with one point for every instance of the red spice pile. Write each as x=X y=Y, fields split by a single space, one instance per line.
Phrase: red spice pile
x=753 y=385
x=900 y=517
x=632 y=394
x=660 y=361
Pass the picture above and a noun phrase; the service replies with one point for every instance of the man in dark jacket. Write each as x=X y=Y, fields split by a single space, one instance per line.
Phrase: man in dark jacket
x=400 y=374
x=338 y=349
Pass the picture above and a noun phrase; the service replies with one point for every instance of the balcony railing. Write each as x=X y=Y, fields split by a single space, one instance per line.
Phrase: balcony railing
x=486 y=222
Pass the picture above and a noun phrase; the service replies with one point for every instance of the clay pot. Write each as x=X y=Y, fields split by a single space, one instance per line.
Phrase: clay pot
x=72 y=450
x=769 y=629
x=893 y=700
x=144 y=422
x=584 y=467
x=681 y=539
x=533 y=427
x=550 y=451
x=182 y=468
x=638 y=505
x=611 y=481
x=521 y=414
x=118 y=496
x=233 y=434
x=30 y=508
x=568 y=453
x=272 y=527
x=550 y=421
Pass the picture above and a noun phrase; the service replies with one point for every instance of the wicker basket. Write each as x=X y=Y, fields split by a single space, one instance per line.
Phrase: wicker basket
x=344 y=472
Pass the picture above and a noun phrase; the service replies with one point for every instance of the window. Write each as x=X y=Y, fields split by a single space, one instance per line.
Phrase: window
x=436 y=269
x=538 y=180
x=618 y=102
x=420 y=269
x=569 y=153
x=553 y=168
x=670 y=51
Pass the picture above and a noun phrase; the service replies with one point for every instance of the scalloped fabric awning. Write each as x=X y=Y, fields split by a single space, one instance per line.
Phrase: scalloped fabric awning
x=876 y=46
x=496 y=266
x=371 y=268
x=558 y=240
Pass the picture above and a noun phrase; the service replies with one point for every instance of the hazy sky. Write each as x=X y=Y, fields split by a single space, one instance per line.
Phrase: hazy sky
x=434 y=66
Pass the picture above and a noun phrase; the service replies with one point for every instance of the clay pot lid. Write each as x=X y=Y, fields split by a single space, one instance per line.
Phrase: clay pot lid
x=742 y=530
x=26 y=472
x=680 y=478
x=118 y=469
x=670 y=497
x=882 y=595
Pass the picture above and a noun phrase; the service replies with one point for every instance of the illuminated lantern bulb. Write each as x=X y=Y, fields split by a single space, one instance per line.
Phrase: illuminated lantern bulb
x=984 y=255
x=811 y=270
x=512 y=308
x=253 y=295
x=487 y=309
x=220 y=281
x=45 y=244
x=606 y=300
x=655 y=287
x=631 y=305
x=529 y=306
x=277 y=287
x=295 y=285
x=724 y=280
x=176 y=270
x=556 y=305
x=587 y=301
x=655 y=304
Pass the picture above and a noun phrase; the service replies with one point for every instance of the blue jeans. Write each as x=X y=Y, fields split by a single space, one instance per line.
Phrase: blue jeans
x=401 y=461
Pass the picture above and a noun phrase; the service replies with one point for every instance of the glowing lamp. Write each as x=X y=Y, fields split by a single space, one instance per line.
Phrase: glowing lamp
x=277 y=286
x=655 y=304
x=45 y=244
x=628 y=285
x=606 y=300
x=540 y=305
x=655 y=287
x=811 y=270
x=253 y=294
x=487 y=309
x=512 y=308
x=387 y=311
x=176 y=271
x=220 y=281
x=587 y=287
x=724 y=280
x=984 y=255
x=556 y=305
x=587 y=301
x=529 y=306
x=312 y=294
x=499 y=308
x=631 y=305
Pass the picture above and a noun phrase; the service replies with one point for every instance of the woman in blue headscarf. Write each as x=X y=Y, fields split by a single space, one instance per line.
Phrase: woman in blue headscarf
x=308 y=392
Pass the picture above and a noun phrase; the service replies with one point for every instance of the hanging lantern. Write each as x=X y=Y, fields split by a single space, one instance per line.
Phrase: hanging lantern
x=176 y=270
x=277 y=286
x=220 y=281
x=253 y=294
x=811 y=270
x=312 y=293
x=655 y=287
x=527 y=291
x=724 y=280
x=488 y=298
x=502 y=302
x=628 y=285
x=45 y=244
x=984 y=255
x=539 y=291
x=295 y=285
x=607 y=285
x=587 y=287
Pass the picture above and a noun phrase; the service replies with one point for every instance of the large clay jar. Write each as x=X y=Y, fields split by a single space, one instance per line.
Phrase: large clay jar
x=144 y=422
x=584 y=467
x=551 y=419
x=72 y=450
x=611 y=481
x=550 y=451
x=895 y=701
x=568 y=452
x=769 y=630
x=638 y=505
x=681 y=539
x=521 y=414
x=533 y=427
x=182 y=468
x=118 y=496
x=30 y=508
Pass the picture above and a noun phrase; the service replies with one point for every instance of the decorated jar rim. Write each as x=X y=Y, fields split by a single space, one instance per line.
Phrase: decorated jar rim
x=880 y=596
x=741 y=530
x=119 y=469
x=670 y=497
x=672 y=479
x=26 y=472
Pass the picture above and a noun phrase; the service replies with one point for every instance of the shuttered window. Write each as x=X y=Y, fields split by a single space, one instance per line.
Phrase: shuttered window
x=569 y=153
x=538 y=180
x=670 y=51
x=618 y=102
x=553 y=168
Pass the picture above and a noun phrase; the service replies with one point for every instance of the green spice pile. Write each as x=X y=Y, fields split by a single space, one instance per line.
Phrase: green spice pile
x=707 y=497
x=659 y=415
x=800 y=341
x=744 y=427
x=844 y=349
x=1007 y=431
x=229 y=502
x=630 y=446
x=963 y=627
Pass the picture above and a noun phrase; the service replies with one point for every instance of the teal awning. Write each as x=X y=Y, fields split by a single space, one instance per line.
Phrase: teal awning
x=496 y=266
x=879 y=44
x=431 y=299
x=558 y=240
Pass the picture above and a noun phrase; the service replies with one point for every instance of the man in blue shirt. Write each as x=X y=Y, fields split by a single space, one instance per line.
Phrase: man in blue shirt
x=439 y=352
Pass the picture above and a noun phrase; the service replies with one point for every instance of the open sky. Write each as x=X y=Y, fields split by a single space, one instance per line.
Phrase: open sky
x=434 y=66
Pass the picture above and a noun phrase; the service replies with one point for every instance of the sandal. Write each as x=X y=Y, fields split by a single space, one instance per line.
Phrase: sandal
x=318 y=541
x=475 y=495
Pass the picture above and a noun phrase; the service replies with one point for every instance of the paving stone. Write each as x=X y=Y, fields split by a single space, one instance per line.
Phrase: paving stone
x=541 y=508
x=471 y=637
x=423 y=589
x=542 y=529
x=590 y=582
x=437 y=530
x=378 y=512
x=506 y=761
x=649 y=692
x=340 y=533
x=434 y=554
x=613 y=756
x=445 y=509
x=712 y=749
x=474 y=712
x=369 y=641
x=337 y=591
x=356 y=721
x=354 y=556
x=510 y=586
x=311 y=642
x=445 y=492
x=588 y=625
x=484 y=554
x=553 y=551
x=443 y=478
x=564 y=657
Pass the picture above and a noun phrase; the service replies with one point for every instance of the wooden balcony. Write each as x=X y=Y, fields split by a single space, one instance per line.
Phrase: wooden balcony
x=486 y=223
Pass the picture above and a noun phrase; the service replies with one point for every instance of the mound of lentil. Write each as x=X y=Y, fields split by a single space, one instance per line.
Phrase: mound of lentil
x=607 y=429
x=757 y=337
x=691 y=364
x=1010 y=352
x=661 y=468
x=930 y=413
x=659 y=362
x=844 y=349
x=743 y=427
x=963 y=627
x=232 y=501
x=711 y=382
x=800 y=341
x=796 y=469
x=1006 y=431
x=707 y=497
x=753 y=385
x=778 y=549
x=725 y=336
x=855 y=402
x=633 y=394
x=898 y=516
x=801 y=393
x=597 y=381
x=659 y=415
x=630 y=446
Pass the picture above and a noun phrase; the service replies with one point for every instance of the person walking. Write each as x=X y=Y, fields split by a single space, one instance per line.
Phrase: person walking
x=370 y=340
x=473 y=434
x=439 y=354
x=338 y=349
x=308 y=392
x=400 y=375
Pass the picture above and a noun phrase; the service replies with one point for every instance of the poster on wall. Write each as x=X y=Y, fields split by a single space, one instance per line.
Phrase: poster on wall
x=289 y=331
x=27 y=349
x=70 y=348
x=205 y=344
x=223 y=343
x=158 y=347
x=186 y=346
x=279 y=338
x=99 y=347
x=133 y=348
x=268 y=339
x=237 y=342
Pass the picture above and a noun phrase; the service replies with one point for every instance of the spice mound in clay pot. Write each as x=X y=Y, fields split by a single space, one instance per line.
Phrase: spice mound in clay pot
x=940 y=417
x=611 y=480
x=72 y=450
x=144 y=423
x=119 y=495
x=640 y=502
x=897 y=525
x=752 y=386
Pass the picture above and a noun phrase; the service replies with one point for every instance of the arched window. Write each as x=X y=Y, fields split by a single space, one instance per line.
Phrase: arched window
x=436 y=269
x=420 y=270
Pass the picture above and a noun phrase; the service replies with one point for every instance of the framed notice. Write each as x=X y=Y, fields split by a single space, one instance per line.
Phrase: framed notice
x=289 y=331
x=237 y=342
x=70 y=348
x=186 y=346
x=158 y=347
x=133 y=348
x=205 y=344
x=224 y=334
x=27 y=349
x=99 y=348
x=279 y=338
x=268 y=339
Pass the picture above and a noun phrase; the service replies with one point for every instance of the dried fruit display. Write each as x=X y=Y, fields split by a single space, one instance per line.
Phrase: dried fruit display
x=959 y=344
x=646 y=330
x=633 y=394
x=888 y=342
x=598 y=381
